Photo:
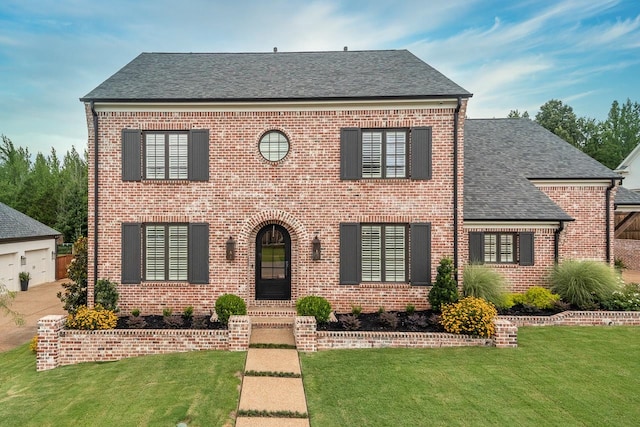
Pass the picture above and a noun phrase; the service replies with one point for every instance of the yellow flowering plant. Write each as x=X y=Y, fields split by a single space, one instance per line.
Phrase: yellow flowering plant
x=470 y=315
x=92 y=318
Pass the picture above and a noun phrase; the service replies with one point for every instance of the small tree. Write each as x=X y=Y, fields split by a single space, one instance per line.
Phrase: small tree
x=75 y=292
x=445 y=290
x=106 y=294
x=6 y=298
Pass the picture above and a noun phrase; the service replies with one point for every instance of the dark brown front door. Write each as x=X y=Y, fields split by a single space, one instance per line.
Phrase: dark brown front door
x=273 y=263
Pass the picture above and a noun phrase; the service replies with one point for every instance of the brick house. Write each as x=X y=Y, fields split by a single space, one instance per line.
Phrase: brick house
x=342 y=174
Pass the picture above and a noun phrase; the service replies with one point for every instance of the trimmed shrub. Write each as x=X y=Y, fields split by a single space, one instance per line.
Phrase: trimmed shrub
x=484 y=282
x=315 y=306
x=33 y=345
x=106 y=294
x=538 y=297
x=75 y=292
x=584 y=283
x=445 y=289
x=92 y=318
x=228 y=305
x=470 y=315
x=626 y=299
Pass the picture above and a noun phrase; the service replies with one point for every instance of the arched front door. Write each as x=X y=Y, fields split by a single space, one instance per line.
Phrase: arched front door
x=273 y=263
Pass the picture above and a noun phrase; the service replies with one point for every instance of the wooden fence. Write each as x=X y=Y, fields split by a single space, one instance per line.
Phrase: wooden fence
x=62 y=263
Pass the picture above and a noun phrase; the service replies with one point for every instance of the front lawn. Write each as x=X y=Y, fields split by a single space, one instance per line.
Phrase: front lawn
x=200 y=388
x=569 y=376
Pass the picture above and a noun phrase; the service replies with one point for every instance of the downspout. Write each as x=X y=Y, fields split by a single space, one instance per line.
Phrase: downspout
x=455 y=185
x=95 y=200
x=556 y=242
x=608 y=218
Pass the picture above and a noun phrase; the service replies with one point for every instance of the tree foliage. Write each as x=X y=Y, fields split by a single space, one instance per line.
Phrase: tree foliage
x=48 y=190
x=445 y=289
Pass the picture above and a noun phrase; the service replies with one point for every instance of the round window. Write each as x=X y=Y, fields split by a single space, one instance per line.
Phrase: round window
x=274 y=146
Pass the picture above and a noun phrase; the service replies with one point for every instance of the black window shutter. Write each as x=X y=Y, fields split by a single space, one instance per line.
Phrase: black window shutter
x=199 y=155
x=476 y=248
x=526 y=249
x=131 y=155
x=131 y=253
x=350 y=154
x=350 y=261
x=199 y=253
x=420 y=254
x=421 y=153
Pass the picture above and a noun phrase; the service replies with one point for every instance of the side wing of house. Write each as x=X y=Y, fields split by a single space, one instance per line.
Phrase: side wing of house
x=533 y=200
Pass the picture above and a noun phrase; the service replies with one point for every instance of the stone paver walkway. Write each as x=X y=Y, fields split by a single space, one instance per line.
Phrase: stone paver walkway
x=272 y=382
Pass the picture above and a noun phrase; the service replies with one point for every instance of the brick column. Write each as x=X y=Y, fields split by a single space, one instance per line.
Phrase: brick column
x=506 y=335
x=304 y=331
x=239 y=333
x=49 y=328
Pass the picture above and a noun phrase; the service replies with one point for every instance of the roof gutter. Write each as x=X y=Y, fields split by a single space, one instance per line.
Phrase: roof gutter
x=95 y=201
x=456 y=115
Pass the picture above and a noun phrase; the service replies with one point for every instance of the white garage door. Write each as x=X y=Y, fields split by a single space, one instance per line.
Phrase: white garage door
x=37 y=265
x=9 y=271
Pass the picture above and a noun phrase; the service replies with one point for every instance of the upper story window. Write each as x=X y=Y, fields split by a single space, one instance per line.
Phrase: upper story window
x=385 y=153
x=274 y=146
x=165 y=155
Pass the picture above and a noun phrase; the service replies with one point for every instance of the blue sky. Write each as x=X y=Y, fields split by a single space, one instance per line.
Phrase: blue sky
x=510 y=55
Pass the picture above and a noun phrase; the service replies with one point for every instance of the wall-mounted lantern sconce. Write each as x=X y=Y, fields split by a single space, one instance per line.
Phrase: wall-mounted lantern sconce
x=23 y=260
x=316 y=249
x=231 y=249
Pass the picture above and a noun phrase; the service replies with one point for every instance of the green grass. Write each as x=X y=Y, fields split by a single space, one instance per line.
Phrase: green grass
x=582 y=376
x=200 y=388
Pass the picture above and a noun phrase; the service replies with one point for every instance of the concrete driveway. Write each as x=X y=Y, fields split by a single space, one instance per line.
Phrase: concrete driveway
x=33 y=304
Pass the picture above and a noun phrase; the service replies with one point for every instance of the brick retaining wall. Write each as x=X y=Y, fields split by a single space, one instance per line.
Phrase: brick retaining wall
x=59 y=347
x=308 y=339
x=579 y=318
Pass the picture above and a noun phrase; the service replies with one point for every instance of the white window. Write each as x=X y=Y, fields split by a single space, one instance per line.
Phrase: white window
x=166 y=252
x=166 y=155
x=384 y=253
x=499 y=247
x=384 y=154
x=274 y=146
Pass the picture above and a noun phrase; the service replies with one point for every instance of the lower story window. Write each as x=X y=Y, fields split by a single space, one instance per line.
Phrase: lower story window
x=166 y=251
x=499 y=248
x=384 y=253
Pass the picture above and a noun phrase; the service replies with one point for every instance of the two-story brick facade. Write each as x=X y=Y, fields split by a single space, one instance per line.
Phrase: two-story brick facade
x=341 y=174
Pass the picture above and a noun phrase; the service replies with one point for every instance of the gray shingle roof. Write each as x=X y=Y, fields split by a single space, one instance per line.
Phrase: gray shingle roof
x=275 y=76
x=501 y=155
x=15 y=225
x=626 y=197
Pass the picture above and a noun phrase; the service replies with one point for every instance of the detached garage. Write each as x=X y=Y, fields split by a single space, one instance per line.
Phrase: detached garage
x=26 y=245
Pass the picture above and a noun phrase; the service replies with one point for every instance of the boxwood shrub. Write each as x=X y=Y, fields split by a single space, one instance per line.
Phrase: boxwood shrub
x=315 y=306
x=228 y=305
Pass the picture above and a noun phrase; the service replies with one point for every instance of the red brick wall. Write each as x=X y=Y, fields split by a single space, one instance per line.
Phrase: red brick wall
x=521 y=277
x=584 y=238
x=303 y=192
x=628 y=251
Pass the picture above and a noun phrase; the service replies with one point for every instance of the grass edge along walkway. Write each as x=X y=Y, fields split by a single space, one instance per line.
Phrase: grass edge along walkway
x=557 y=376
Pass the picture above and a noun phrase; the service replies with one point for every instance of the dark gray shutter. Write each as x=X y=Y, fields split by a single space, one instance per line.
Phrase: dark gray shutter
x=476 y=248
x=526 y=249
x=420 y=254
x=199 y=253
x=350 y=261
x=131 y=253
x=199 y=155
x=131 y=155
x=421 y=153
x=350 y=154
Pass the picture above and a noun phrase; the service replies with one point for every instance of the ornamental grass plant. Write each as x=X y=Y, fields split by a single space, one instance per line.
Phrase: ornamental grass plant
x=484 y=282
x=584 y=284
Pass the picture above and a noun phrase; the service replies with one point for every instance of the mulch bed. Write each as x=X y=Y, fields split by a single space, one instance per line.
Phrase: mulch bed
x=169 y=322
